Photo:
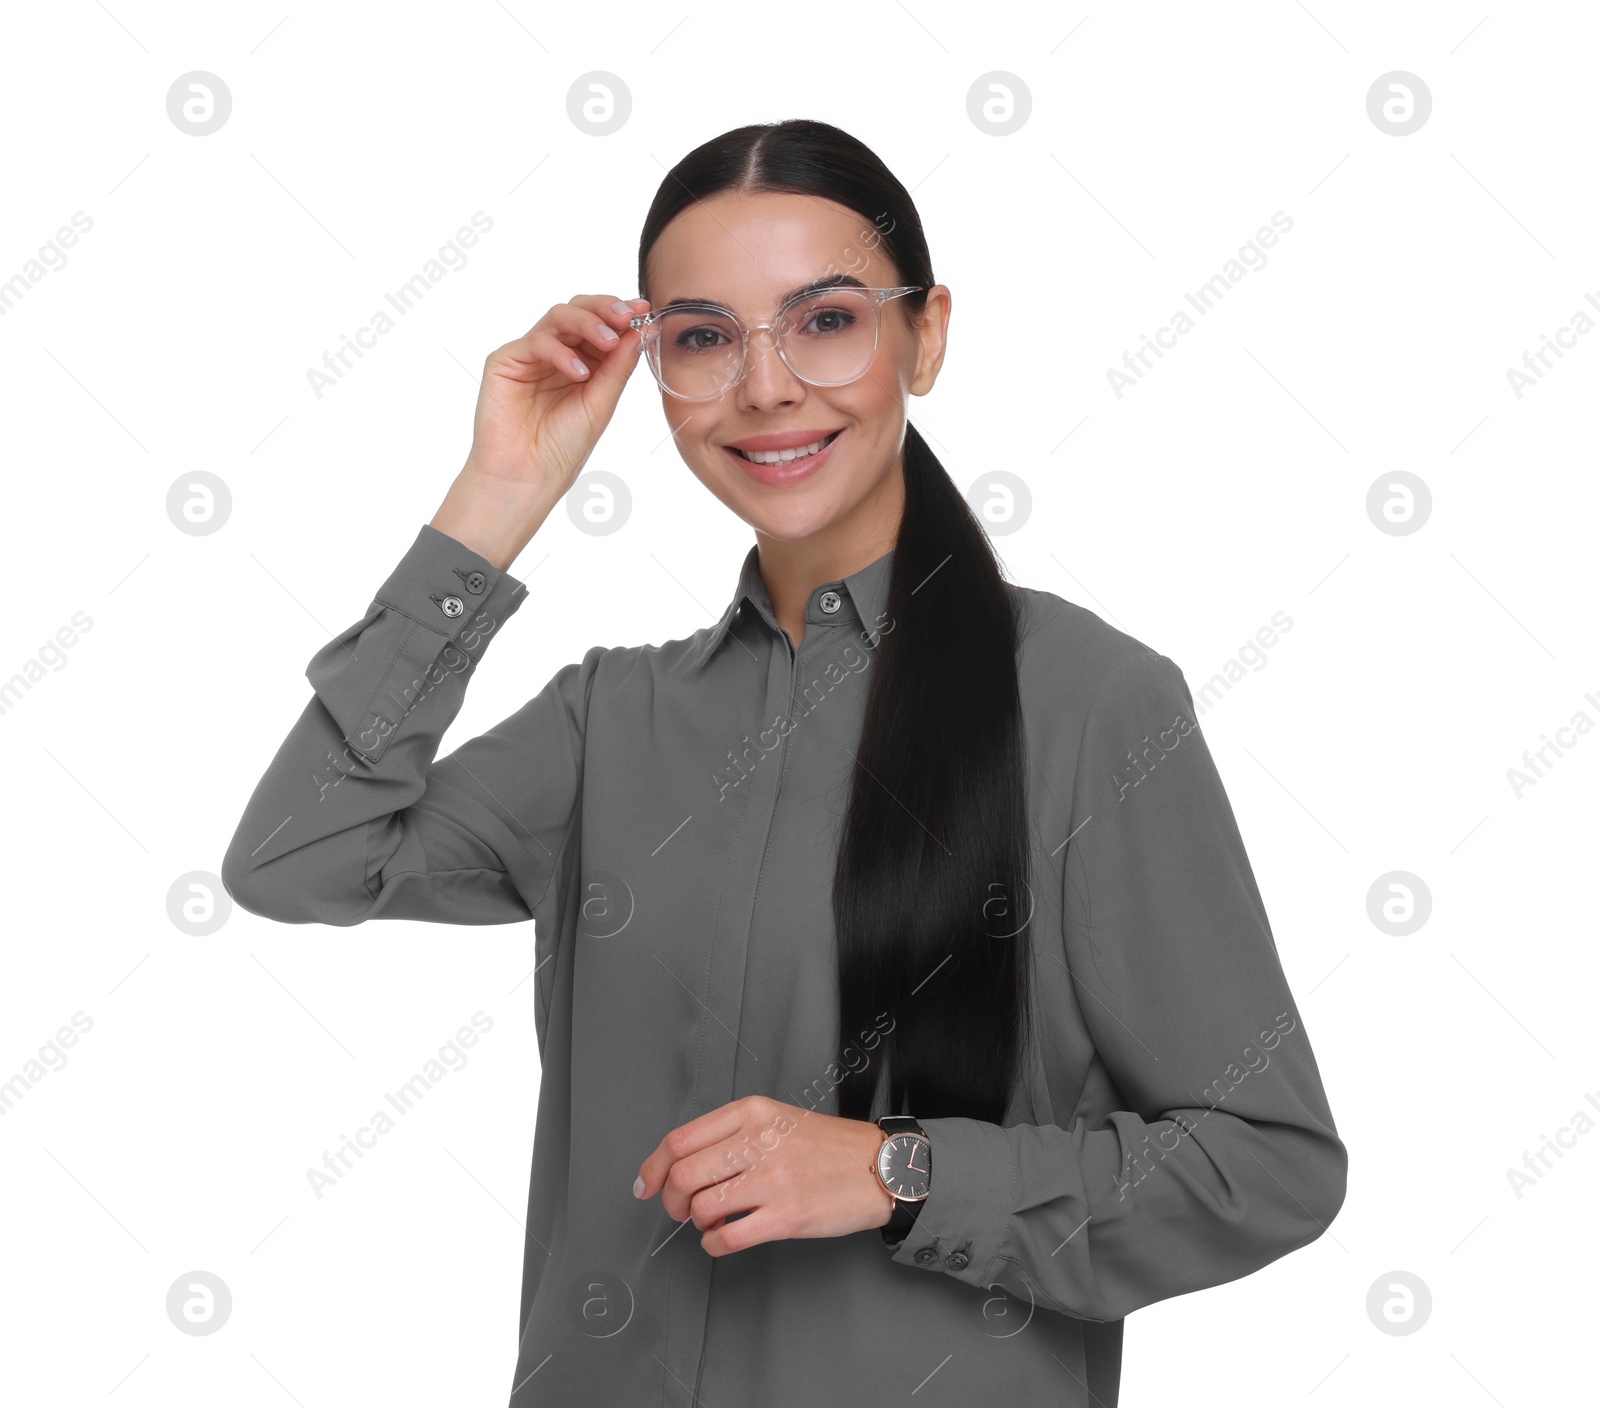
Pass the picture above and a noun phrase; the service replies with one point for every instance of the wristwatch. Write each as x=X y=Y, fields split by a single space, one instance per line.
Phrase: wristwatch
x=905 y=1168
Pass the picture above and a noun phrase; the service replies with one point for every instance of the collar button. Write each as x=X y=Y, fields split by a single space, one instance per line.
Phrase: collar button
x=830 y=602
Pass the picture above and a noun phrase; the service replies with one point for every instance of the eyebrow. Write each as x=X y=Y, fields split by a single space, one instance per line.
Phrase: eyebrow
x=815 y=286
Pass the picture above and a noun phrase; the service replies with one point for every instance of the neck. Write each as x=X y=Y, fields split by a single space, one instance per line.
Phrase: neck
x=793 y=569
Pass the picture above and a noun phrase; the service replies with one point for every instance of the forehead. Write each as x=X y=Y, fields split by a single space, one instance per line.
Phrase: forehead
x=747 y=251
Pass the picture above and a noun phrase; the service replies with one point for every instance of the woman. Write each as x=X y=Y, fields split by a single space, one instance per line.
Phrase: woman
x=893 y=839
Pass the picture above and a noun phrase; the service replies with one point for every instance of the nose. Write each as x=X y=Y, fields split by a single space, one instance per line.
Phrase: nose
x=766 y=381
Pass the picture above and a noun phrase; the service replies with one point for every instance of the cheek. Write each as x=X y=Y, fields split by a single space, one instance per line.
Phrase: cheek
x=872 y=404
x=696 y=429
x=884 y=387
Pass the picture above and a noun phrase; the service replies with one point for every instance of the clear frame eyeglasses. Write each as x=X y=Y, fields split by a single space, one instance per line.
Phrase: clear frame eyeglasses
x=826 y=336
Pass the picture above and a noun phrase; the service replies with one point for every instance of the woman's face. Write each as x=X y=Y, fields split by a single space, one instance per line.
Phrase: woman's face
x=748 y=253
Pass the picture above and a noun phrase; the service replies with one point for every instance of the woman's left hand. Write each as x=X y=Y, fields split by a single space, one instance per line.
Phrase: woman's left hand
x=793 y=1172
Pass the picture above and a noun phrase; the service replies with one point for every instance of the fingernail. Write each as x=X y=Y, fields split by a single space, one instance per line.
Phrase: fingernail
x=638 y=1187
x=626 y=309
x=606 y=334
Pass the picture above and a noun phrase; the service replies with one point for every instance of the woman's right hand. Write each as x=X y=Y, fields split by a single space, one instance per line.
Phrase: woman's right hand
x=547 y=397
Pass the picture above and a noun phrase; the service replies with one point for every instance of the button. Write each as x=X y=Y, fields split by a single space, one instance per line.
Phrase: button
x=956 y=1260
x=830 y=602
x=452 y=606
x=476 y=583
x=926 y=1255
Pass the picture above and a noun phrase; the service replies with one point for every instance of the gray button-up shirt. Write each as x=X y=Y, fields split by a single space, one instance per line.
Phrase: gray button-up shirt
x=667 y=815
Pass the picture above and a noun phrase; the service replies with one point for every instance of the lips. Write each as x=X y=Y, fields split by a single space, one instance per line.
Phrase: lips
x=784 y=472
x=758 y=453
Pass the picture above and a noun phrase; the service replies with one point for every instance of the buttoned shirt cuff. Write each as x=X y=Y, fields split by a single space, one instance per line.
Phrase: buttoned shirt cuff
x=963 y=1218
x=436 y=612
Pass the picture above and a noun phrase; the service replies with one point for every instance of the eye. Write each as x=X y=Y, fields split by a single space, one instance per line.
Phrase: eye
x=701 y=338
x=828 y=322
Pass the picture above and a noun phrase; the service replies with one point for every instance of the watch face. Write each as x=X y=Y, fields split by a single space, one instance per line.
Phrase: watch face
x=903 y=1165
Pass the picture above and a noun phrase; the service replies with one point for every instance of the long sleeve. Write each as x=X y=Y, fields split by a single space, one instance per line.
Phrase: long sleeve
x=355 y=820
x=1213 y=1151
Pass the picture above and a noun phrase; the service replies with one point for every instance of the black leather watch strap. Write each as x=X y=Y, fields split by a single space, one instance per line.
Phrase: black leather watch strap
x=904 y=1216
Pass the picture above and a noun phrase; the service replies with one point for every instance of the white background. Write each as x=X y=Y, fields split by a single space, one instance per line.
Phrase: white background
x=1230 y=483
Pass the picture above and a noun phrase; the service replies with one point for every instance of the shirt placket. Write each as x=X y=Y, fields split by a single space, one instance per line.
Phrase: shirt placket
x=689 y=1286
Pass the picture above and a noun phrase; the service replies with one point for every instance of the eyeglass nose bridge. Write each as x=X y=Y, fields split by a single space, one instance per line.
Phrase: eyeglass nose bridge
x=772 y=342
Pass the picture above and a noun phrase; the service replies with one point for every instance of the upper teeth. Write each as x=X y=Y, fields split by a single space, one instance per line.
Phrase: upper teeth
x=783 y=456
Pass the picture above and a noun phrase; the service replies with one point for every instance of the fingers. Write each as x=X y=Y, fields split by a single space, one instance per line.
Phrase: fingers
x=685 y=1161
x=687 y=1140
x=606 y=325
x=712 y=1206
x=737 y=1234
x=707 y=1186
x=591 y=322
x=573 y=334
x=609 y=311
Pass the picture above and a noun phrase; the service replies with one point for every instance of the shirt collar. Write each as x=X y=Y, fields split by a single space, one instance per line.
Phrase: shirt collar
x=864 y=593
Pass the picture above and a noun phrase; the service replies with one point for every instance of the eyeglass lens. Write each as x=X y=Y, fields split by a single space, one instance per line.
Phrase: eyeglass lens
x=829 y=338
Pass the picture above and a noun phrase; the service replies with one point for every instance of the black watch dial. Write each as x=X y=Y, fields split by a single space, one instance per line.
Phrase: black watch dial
x=903 y=1165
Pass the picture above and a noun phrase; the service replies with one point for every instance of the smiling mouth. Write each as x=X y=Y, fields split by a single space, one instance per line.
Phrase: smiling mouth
x=786 y=456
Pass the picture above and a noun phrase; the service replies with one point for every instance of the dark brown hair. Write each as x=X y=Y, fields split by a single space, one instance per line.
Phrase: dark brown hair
x=930 y=895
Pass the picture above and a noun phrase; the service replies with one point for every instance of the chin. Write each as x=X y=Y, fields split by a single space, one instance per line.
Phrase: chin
x=789 y=532
x=790 y=525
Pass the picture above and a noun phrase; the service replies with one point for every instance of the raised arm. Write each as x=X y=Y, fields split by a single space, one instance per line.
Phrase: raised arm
x=355 y=820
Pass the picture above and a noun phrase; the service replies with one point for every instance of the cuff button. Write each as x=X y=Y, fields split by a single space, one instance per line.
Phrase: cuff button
x=926 y=1255
x=476 y=583
x=956 y=1260
x=452 y=606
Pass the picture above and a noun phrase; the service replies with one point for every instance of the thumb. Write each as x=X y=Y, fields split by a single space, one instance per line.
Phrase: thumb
x=618 y=364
